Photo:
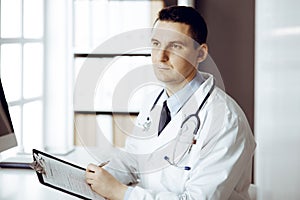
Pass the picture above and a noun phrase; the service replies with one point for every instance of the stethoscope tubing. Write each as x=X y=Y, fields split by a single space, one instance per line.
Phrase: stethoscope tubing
x=196 y=129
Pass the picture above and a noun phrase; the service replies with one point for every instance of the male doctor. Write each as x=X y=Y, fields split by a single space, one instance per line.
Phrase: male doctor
x=191 y=141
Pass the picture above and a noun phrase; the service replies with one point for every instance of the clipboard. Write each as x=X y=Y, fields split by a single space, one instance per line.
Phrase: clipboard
x=64 y=176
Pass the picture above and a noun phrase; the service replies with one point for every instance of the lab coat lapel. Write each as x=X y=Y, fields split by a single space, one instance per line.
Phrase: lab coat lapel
x=170 y=131
x=153 y=142
x=168 y=135
x=159 y=147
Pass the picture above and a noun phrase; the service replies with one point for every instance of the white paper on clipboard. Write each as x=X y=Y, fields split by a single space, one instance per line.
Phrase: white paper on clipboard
x=65 y=177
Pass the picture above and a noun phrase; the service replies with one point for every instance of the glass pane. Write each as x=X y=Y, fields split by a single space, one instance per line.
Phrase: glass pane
x=126 y=13
x=79 y=62
x=15 y=113
x=10 y=18
x=99 y=22
x=11 y=70
x=32 y=125
x=33 y=18
x=81 y=25
x=110 y=86
x=96 y=21
x=33 y=70
x=122 y=15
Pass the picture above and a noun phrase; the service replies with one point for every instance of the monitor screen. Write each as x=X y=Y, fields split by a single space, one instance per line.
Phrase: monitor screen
x=7 y=136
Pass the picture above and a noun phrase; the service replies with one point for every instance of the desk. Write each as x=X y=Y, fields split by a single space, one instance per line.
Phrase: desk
x=17 y=184
x=23 y=184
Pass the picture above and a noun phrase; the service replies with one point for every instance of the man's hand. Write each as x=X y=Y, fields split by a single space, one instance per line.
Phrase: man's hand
x=104 y=183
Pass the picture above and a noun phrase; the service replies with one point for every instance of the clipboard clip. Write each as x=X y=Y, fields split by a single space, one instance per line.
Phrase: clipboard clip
x=38 y=164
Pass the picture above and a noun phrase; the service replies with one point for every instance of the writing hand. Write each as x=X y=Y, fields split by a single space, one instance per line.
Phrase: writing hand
x=103 y=183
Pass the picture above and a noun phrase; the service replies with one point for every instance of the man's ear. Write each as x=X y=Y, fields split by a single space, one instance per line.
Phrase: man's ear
x=202 y=52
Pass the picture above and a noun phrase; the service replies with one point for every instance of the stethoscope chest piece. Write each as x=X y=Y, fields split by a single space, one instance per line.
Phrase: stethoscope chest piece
x=146 y=125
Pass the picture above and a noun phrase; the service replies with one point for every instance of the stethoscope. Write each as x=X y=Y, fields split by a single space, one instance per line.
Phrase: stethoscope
x=194 y=118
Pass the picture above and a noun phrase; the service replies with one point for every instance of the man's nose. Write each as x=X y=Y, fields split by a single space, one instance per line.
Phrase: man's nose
x=163 y=55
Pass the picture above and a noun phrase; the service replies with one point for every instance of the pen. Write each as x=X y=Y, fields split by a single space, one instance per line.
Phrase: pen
x=100 y=165
x=103 y=164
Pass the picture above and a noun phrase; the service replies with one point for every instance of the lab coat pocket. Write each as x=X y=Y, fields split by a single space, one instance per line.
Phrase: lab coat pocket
x=175 y=177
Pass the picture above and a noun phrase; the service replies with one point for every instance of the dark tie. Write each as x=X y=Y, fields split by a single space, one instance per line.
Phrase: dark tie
x=165 y=117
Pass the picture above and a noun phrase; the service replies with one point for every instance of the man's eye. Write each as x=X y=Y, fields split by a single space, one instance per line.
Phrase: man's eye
x=176 y=46
x=155 y=44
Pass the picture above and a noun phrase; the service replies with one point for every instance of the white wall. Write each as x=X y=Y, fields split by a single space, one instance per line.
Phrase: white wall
x=277 y=99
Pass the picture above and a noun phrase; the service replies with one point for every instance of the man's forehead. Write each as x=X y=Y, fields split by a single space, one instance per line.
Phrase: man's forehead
x=171 y=31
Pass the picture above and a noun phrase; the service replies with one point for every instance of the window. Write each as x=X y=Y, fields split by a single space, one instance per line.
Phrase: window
x=22 y=68
x=96 y=22
x=36 y=68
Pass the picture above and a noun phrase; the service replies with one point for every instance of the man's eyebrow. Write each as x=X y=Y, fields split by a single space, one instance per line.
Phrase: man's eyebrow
x=154 y=40
x=170 y=42
x=178 y=42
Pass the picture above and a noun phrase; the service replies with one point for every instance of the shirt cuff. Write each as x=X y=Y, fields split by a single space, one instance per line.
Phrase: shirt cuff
x=127 y=194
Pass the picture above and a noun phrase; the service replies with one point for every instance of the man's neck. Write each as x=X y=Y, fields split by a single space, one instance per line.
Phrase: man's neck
x=172 y=88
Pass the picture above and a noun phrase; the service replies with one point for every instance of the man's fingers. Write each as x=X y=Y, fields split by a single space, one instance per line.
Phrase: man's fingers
x=89 y=181
x=92 y=168
x=90 y=175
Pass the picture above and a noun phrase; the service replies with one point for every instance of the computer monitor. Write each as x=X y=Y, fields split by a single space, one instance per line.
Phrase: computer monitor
x=7 y=135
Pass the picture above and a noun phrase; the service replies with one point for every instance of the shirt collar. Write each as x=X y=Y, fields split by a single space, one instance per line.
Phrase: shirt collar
x=176 y=101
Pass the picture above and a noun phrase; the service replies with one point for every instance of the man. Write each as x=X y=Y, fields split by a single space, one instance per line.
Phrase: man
x=207 y=157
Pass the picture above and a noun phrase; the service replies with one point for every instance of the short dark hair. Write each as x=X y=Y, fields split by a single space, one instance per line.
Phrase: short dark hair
x=186 y=15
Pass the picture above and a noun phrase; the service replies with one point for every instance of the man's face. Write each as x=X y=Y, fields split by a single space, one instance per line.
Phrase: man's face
x=174 y=56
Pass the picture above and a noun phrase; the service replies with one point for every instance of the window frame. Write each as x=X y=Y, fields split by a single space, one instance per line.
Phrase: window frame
x=22 y=101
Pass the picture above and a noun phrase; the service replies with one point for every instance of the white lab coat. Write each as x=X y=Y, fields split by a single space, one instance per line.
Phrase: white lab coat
x=220 y=161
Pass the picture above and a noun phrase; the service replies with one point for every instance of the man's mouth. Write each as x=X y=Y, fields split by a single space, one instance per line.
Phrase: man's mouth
x=162 y=66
